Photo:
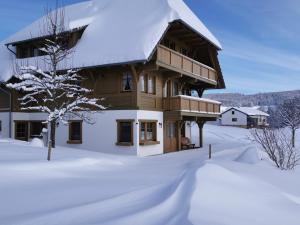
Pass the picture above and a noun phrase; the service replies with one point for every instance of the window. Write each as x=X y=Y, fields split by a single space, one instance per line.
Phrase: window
x=125 y=132
x=36 y=129
x=234 y=119
x=0 y=125
x=75 y=132
x=143 y=83
x=232 y=112
x=171 y=130
x=175 y=89
x=127 y=82
x=148 y=132
x=151 y=84
x=21 y=131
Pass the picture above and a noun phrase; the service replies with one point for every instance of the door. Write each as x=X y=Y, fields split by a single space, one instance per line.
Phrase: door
x=170 y=136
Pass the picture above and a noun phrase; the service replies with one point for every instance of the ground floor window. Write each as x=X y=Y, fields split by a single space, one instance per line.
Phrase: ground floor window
x=148 y=132
x=75 y=132
x=125 y=132
x=234 y=119
x=21 y=131
x=36 y=128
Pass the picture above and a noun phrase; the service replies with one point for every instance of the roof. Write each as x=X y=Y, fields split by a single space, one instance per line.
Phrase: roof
x=117 y=31
x=250 y=111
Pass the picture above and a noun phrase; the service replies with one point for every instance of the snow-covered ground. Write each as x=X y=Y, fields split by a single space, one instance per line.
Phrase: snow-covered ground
x=88 y=188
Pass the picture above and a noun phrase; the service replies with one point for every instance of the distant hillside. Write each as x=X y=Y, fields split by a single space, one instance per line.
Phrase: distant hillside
x=260 y=99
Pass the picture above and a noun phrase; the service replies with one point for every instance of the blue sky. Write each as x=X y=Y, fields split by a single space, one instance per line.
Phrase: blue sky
x=261 y=50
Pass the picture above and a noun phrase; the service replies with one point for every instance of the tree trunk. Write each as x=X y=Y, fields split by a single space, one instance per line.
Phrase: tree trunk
x=293 y=137
x=53 y=130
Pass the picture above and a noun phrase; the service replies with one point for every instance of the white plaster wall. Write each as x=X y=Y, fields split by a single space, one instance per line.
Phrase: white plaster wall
x=147 y=150
x=4 y=118
x=102 y=136
x=227 y=118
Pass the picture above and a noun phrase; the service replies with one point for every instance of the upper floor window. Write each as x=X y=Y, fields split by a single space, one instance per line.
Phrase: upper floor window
x=151 y=84
x=232 y=112
x=143 y=82
x=175 y=89
x=234 y=119
x=127 y=84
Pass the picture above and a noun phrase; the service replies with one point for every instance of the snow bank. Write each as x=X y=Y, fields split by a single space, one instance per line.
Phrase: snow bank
x=36 y=142
x=223 y=197
x=184 y=188
x=248 y=156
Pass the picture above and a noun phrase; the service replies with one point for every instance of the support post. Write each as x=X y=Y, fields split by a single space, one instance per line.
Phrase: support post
x=200 y=125
x=209 y=151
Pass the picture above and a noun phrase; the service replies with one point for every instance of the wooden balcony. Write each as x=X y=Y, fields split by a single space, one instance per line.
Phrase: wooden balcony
x=173 y=60
x=192 y=106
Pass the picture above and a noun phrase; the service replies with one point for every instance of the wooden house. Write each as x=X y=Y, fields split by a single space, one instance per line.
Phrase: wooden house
x=146 y=58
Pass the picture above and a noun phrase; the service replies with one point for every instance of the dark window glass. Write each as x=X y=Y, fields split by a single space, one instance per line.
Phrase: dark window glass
x=234 y=119
x=36 y=129
x=233 y=112
x=75 y=131
x=21 y=130
x=125 y=132
x=127 y=82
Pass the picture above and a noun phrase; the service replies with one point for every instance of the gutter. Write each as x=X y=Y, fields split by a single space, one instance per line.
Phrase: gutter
x=10 y=110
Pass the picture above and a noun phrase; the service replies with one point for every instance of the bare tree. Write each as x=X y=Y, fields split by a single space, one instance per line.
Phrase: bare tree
x=278 y=147
x=289 y=113
x=51 y=90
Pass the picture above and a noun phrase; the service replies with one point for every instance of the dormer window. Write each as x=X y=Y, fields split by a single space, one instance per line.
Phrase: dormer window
x=127 y=84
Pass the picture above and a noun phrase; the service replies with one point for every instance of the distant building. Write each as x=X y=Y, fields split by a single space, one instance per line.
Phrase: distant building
x=244 y=117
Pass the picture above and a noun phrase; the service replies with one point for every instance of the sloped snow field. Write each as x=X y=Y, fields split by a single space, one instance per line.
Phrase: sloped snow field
x=236 y=187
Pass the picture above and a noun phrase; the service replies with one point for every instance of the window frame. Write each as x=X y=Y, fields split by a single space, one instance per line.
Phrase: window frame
x=25 y=123
x=70 y=141
x=120 y=143
x=145 y=141
x=151 y=78
x=145 y=84
x=234 y=119
x=122 y=82
x=30 y=128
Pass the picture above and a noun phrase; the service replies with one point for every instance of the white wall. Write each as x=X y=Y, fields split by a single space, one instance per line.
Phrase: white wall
x=4 y=118
x=102 y=136
x=228 y=116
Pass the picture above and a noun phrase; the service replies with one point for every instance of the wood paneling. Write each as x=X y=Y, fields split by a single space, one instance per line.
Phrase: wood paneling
x=175 y=61
x=181 y=103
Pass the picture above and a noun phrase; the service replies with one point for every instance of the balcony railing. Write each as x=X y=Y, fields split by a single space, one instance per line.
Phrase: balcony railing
x=190 y=104
x=173 y=60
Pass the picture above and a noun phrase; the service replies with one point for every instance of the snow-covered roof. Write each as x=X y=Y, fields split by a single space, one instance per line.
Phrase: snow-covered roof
x=117 y=31
x=250 y=111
